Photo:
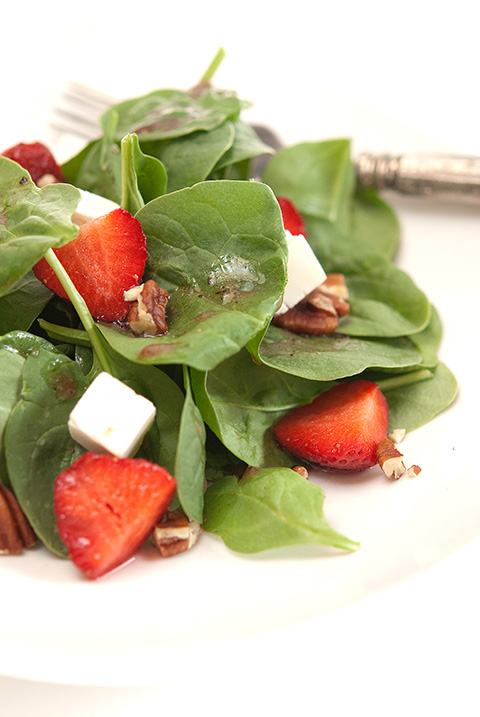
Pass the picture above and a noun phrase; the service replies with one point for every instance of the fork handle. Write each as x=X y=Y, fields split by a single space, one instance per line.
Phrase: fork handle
x=449 y=177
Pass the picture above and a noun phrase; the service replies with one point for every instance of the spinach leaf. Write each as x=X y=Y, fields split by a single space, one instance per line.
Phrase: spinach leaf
x=38 y=445
x=411 y=406
x=212 y=246
x=242 y=400
x=327 y=358
x=164 y=114
x=31 y=221
x=143 y=177
x=384 y=300
x=246 y=145
x=20 y=306
x=14 y=349
x=371 y=220
x=319 y=178
x=189 y=468
x=191 y=158
x=270 y=509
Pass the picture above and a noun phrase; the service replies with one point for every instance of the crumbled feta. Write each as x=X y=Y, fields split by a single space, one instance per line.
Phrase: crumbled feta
x=111 y=418
x=304 y=271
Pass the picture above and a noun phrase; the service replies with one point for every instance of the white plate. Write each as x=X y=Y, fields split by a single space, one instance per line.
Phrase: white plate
x=138 y=626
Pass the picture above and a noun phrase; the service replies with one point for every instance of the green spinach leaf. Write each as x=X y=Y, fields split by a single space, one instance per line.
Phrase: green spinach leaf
x=241 y=401
x=327 y=358
x=38 y=445
x=31 y=221
x=189 y=468
x=270 y=509
x=212 y=246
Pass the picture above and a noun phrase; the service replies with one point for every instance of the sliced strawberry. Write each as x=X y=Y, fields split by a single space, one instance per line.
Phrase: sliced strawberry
x=105 y=260
x=106 y=507
x=340 y=429
x=37 y=159
x=292 y=219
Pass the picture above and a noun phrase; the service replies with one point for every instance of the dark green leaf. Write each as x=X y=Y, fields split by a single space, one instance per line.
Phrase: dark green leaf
x=31 y=221
x=212 y=246
x=190 y=458
x=326 y=358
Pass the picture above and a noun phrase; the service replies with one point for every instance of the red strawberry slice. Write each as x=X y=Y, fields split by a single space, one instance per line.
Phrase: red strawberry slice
x=292 y=219
x=107 y=258
x=37 y=159
x=340 y=429
x=106 y=507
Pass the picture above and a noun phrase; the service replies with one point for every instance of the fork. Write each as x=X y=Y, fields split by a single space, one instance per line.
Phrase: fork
x=447 y=177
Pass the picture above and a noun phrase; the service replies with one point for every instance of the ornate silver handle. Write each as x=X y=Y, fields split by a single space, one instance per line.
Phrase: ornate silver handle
x=448 y=177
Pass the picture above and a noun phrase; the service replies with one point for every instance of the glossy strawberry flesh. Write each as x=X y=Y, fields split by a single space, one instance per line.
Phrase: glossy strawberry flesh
x=340 y=429
x=106 y=259
x=292 y=219
x=37 y=159
x=107 y=506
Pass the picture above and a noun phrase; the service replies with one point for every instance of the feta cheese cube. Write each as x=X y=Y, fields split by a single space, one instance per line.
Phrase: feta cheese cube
x=111 y=418
x=92 y=206
x=304 y=271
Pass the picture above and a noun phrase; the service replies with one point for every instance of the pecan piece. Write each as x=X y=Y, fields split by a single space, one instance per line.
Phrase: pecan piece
x=147 y=313
x=16 y=533
x=335 y=284
x=319 y=311
x=175 y=533
x=390 y=459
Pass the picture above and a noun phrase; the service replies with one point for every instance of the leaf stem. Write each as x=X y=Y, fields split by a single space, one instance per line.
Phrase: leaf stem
x=214 y=65
x=131 y=199
x=80 y=307
x=404 y=379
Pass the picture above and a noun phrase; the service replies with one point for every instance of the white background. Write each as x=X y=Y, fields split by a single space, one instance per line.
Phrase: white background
x=400 y=77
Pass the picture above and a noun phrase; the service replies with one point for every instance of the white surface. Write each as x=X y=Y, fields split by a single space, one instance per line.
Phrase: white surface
x=390 y=628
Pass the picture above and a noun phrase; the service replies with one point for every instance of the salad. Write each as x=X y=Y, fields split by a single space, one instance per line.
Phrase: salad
x=192 y=223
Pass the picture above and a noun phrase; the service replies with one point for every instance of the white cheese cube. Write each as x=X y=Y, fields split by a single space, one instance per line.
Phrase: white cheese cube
x=111 y=418
x=304 y=271
x=93 y=205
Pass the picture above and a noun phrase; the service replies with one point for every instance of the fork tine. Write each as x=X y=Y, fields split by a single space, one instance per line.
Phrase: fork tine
x=79 y=109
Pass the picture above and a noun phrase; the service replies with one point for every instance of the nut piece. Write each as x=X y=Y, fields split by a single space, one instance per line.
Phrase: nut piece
x=301 y=470
x=390 y=459
x=15 y=530
x=335 y=284
x=319 y=311
x=397 y=435
x=175 y=534
x=414 y=471
x=147 y=313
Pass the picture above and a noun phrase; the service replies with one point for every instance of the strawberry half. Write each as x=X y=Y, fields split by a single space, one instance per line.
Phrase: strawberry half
x=106 y=507
x=340 y=429
x=106 y=259
x=37 y=159
x=292 y=219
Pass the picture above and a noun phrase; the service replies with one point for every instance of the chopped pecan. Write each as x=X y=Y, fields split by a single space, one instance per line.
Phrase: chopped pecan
x=390 y=459
x=175 y=533
x=335 y=284
x=318 y=312
x=397 y=435
x=15 y=530
x=147 y=313
x=414 y=471
x=301 y=470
